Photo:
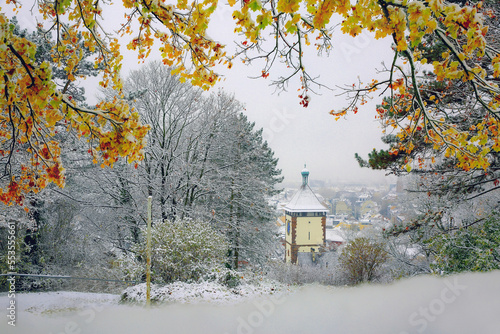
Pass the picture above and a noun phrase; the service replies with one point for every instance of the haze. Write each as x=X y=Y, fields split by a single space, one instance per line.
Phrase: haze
x=466 y=303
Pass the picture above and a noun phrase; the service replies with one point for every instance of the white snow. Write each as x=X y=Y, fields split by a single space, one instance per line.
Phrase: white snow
x=205 y=292
x=467 y=303
x=50 y=303
x=334 y=235
x=304 y=200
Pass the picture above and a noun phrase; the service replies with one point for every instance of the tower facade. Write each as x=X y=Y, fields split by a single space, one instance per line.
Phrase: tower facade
x=305 y=219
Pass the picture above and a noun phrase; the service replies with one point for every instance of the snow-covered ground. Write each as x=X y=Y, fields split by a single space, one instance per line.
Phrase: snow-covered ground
x=206 y=292
x=468 y=303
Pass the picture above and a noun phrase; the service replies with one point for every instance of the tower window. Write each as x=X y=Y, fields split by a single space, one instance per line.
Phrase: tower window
x=309 y=235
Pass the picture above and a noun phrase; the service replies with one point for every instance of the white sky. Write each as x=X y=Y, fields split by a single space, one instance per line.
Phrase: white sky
x=297 y=135
x=310 y=135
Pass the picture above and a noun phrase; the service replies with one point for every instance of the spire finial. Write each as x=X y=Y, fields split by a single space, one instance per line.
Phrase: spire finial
x=305 y=175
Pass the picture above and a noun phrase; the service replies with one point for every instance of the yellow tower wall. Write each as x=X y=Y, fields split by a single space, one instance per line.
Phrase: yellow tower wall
x=309 y=233
x=304 y=235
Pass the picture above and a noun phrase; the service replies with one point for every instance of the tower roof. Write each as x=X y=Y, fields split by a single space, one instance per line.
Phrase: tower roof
x=304 y=200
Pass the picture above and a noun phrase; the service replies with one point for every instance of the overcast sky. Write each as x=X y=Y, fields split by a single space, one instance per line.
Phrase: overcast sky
x=310 y=135
x=297 y=135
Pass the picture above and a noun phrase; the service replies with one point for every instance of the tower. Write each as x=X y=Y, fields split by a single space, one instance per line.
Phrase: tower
x=305 y=219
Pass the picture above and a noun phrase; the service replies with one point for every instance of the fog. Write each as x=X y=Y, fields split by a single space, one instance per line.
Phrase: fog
x=458 y=304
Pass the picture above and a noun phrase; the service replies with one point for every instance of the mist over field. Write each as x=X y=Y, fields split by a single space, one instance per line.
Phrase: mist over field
x=466 y=303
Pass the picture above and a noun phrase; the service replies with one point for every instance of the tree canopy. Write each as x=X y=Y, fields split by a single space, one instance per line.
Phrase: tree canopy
x=34 y=107
x=456 y=177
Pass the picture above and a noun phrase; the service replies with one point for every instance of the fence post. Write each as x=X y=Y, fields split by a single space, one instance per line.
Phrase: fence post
x=148 y=256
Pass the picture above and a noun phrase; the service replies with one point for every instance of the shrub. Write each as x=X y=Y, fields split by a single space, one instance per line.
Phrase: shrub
x=182 y=250
x=361 y=259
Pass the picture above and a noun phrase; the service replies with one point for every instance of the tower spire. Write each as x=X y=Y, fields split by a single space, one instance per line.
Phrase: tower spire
x=305 y=176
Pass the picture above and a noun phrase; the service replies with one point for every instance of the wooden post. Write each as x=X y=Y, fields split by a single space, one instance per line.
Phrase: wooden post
x=148 y=256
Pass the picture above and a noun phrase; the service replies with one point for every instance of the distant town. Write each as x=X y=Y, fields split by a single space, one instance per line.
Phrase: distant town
x=351 y=208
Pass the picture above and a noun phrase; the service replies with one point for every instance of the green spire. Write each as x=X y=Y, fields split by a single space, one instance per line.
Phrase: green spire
x=305 y=175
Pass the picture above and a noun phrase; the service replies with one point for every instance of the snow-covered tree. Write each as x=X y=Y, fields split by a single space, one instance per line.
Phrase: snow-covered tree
x=172 y=110
x=446 y=232
x=452 y=195
x=204 y=161
x=472 y=248
x=243 y=178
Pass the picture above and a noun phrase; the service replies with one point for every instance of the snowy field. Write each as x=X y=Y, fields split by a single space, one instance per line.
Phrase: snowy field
x=458 y=304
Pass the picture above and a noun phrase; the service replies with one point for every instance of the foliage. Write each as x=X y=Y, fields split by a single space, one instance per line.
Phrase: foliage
x=449 y=233
x=406 y=258
x=420 y=30
x=474 y=247
x=446 y=122
x=442 y=129
x=454 y=111
x=418 y=109
x=182 y=250
x=205 y=161
x=224 y=276
x=177 y=137
x=58 y=242
x=63 y=80
x=470 y=61
x=34 y=110
x=361 y=260
x=57 y=239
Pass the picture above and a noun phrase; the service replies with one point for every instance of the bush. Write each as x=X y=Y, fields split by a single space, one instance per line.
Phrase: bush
x=287 y=273
x=224 y=276
x=361 y=260
x=182 y=250
x=476 y=248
